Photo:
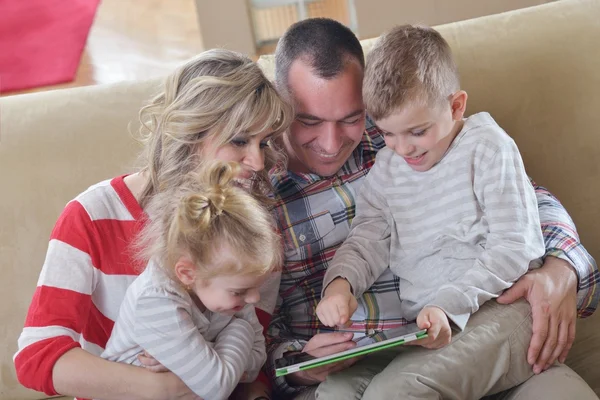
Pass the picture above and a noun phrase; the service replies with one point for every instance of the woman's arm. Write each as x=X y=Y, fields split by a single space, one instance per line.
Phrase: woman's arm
x=84 y=375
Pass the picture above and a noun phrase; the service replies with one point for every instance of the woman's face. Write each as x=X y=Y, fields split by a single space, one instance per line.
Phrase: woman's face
x=248 y=151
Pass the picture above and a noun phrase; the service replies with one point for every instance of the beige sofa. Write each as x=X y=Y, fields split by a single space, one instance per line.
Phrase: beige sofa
x=535 y=70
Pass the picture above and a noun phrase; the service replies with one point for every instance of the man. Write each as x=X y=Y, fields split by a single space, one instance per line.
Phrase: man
x=319 y=66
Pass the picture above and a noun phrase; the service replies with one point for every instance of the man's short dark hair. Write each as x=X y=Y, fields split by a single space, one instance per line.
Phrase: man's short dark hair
x=326 y=44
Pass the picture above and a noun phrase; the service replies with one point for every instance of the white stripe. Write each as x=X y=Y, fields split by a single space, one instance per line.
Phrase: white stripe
x=67 y=267
x=110 y=292
x=91 y=347
x=31 y=335
x=102 y=202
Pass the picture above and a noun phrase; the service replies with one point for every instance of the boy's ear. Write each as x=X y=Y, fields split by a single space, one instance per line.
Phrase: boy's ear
x=185 y=271
x=459 y=105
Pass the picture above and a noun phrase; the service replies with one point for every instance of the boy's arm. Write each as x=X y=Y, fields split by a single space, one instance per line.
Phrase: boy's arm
x=365 y=254
x=513 y=240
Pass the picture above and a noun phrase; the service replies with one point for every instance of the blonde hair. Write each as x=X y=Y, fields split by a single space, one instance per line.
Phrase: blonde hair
x=409 y=64
x=215 y=96
x=206 y=211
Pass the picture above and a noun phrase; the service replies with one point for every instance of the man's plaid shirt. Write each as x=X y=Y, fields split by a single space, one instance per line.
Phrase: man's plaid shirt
x=314 y=215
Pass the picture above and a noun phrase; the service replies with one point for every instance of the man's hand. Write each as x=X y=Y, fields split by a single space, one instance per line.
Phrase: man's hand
x=436 y=322
x=338 y=304
x=322 y=345
x=552 y=292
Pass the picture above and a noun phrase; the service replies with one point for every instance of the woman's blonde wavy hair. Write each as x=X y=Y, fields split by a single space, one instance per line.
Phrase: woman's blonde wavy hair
x=205 y=212
x=215 y=96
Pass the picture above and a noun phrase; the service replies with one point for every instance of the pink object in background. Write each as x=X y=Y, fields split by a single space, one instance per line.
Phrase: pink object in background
x=41 y=41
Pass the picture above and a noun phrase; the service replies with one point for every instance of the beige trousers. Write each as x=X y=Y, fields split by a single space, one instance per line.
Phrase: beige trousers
x=488 y=357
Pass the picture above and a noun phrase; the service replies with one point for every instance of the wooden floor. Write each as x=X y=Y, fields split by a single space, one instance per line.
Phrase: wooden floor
x=141 y=39
x=136 y=39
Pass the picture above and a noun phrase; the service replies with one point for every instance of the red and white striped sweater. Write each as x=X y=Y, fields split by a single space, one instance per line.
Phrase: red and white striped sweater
x=86 y=273
x=88 y=267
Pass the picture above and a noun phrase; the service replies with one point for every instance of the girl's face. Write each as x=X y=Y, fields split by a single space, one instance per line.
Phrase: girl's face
x=248 y=151
x=228 y=294
x=225 y=294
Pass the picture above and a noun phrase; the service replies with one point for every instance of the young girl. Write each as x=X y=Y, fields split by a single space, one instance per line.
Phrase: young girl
x=218 y=106
x=209 y=246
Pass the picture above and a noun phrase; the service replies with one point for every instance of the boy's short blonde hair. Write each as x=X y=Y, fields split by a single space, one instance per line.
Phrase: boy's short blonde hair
x=408 y=64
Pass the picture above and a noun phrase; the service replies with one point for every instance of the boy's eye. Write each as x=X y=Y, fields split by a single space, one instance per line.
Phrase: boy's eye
x=419 y=133
x=237 y=294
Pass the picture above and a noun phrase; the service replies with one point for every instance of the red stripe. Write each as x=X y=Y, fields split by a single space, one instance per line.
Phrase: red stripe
x=34 y=363
x=52 y=306
x=74 y=227
x=132 y=205
x=111 y=254
x=264 y=318
x=61 y=307
x=98 y=327
x=116 y=256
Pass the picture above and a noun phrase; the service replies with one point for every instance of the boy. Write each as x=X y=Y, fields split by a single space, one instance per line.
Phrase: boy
x=449 y=208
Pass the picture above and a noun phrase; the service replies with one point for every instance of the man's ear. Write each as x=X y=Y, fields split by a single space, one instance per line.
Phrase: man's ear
x=185 y=271
x=458 y=102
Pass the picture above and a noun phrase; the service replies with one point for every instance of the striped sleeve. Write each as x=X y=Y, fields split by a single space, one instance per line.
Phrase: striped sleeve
x=562 y=241
x=258 y=354
x=365 y=254
x=165 y=329
x=61 y=301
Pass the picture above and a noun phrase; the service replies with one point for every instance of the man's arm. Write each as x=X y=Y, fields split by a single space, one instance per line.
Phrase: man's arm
x=564 y=287
x=562 y=241
x=280 y=340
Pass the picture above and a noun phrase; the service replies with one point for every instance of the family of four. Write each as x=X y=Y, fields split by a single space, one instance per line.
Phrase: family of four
x=267 y=219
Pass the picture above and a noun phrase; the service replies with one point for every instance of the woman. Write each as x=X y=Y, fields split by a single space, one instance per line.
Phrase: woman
x=218 y=106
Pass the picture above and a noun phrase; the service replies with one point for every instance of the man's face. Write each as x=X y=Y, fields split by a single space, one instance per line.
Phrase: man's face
x=330 y=118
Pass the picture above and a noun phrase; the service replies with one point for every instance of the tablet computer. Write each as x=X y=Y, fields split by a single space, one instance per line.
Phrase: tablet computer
x=364 y=345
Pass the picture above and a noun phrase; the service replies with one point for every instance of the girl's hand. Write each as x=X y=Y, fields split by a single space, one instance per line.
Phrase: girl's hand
x=150 y=363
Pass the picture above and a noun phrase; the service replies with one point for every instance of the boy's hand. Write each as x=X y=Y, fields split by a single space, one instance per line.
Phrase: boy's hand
x=338 y=304
x=436 y=322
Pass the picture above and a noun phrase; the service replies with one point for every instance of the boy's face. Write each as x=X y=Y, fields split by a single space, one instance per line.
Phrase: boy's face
x=421 y=135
